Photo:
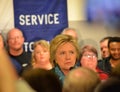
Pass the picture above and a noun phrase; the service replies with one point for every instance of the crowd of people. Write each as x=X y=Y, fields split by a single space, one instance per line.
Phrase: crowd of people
x=60 y=65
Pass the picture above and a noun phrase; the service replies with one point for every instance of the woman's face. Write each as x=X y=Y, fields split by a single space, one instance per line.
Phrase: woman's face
x=41 y=54
x=66 y=56
x=89 y=60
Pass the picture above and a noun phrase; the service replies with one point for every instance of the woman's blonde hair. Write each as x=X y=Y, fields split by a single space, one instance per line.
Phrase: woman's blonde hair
x=43 y=43
x=61 y=39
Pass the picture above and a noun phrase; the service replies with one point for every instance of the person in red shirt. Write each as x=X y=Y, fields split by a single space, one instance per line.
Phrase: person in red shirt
x=89 y=59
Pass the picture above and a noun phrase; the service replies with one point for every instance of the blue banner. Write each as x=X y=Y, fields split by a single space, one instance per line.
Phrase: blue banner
x=40 y=19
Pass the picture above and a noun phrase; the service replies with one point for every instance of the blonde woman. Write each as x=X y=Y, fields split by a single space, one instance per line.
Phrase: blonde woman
x=41 y=55
x=64 y=53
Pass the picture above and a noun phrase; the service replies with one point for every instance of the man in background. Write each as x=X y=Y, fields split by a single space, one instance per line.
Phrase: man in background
x=70 y=31
x=104 y=47
x=15 y=42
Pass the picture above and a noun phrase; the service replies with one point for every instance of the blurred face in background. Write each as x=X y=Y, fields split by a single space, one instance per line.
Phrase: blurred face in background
x=41 y=54
x=114 y=49
x=15 y=39
x=66 y=55
x=104 y=49
x=71 y=33
x=89 y=60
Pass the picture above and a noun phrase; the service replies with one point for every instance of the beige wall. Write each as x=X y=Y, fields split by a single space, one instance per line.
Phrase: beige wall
x=6 y=16
x=76 y=10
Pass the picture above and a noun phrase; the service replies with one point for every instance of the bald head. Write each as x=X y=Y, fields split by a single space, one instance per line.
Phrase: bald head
x=70 y=31
x=80 y=80
x=13 y=32
x=15 y=41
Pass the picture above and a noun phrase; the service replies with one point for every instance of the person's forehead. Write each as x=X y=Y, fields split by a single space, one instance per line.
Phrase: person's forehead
x=104 y=42
x=14 y=32
x=115 y=43
x=71 y=31
x=88 y=52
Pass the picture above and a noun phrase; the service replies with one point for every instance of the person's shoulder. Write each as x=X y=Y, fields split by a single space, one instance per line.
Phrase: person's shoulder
x=52 y=70
x=105 y=60
x=100 y=61
x=101 y=64
x=27 y=52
